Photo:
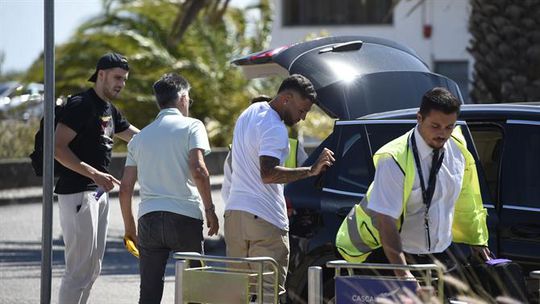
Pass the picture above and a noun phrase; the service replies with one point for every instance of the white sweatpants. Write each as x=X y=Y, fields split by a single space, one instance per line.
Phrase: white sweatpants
x=84 y=220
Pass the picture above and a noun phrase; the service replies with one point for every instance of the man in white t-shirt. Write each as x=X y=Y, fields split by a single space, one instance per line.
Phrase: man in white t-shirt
x=256 y=222
x=167 y=157
x=296 y=157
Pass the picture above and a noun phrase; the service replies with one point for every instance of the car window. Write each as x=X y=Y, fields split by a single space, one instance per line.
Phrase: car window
x=488 y=139
x=351 y=171
x=382 y=133
x=521 y=165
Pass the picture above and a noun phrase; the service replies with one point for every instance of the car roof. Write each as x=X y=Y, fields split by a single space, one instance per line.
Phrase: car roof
x=353 y=75
x=7 y=87
x=479 y=112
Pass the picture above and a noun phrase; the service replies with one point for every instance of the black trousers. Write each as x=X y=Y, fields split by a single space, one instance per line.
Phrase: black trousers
x=161 y=233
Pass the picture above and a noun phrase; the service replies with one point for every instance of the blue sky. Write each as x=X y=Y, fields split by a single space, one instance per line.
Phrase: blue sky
x=21 y=27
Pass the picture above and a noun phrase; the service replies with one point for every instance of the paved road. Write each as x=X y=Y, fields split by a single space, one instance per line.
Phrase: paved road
x=20 y=257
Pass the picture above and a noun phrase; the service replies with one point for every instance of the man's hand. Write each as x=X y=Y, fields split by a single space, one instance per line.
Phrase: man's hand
x=482 y=252
x=212 y=221
x=326 y=159
x=105 y=180
x=132 y=235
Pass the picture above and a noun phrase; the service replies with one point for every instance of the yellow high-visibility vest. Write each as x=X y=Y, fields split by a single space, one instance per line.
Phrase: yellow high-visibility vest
x=358 y=235
x=291 y=160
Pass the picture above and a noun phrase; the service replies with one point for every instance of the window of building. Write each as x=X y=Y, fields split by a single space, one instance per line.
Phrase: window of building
x=337 y=12
x=458 y=71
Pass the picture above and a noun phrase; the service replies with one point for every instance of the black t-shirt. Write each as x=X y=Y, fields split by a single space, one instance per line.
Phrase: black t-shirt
x=95 y=121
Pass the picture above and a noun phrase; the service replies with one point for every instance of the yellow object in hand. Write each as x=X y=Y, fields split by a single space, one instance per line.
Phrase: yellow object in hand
x=130 y=246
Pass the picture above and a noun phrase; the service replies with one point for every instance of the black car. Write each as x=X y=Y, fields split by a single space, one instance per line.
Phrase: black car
x=368 y=78
x=505 y=140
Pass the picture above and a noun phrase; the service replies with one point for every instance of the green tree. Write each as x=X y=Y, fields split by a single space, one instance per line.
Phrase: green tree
x=196 y=38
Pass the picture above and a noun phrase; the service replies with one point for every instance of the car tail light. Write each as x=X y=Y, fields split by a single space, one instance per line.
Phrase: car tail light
x=266 y=56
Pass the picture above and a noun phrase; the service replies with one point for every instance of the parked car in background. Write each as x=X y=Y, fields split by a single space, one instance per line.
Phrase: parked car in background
x=21 y=101
x=372 y=87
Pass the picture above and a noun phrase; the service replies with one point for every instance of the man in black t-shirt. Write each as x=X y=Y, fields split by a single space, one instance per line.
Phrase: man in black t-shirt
x=83 y=144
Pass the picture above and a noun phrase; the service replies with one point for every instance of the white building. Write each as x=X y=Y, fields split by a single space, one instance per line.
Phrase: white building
x=436 y=29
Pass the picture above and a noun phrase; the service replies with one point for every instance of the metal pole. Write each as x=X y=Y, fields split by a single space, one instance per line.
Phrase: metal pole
x=48 y=154
x=536 y=275
x=315 y=292
x=178 y=281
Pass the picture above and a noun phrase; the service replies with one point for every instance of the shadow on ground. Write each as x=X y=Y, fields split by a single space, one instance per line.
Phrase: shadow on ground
x=117 y=260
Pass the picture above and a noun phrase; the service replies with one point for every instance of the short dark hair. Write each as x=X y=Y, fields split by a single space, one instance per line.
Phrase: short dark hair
x=300 y=84
x=168 y=87
x=439 y=99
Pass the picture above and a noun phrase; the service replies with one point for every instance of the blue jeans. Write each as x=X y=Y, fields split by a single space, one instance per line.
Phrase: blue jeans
x=161 y=233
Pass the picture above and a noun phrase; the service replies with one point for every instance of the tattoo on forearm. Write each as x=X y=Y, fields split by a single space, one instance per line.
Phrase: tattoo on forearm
x=272 y=172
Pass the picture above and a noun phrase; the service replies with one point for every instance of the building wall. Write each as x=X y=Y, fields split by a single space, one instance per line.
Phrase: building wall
x=448 y=41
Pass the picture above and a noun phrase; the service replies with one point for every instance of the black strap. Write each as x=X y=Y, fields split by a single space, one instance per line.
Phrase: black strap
x=427 y=194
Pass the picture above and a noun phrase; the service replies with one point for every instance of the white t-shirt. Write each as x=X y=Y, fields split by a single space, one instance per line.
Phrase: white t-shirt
x=387 y=197
x=259 y=131
x=301 y=157
x=161 y=154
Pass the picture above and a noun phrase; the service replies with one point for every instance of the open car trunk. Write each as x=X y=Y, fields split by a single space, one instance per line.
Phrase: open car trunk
x=353 y=75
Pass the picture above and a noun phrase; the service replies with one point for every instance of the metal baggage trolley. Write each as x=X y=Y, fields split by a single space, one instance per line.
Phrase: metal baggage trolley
x=354 y=288
x=217 y=281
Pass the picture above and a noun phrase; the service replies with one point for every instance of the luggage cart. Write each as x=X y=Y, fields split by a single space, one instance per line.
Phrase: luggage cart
x=217 y=281
x=354 y=288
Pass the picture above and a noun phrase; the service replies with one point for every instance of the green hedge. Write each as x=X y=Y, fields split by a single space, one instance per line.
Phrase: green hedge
x=17 y=137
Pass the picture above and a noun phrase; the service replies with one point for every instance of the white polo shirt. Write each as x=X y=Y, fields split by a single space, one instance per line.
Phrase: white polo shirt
x=161 y=154
x=387 y=197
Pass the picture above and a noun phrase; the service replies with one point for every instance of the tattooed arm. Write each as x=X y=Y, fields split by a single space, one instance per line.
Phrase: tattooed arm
x=273 y=173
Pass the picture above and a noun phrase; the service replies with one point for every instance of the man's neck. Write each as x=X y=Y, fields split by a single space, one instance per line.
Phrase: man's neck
x=276 y=106
x=100 y=94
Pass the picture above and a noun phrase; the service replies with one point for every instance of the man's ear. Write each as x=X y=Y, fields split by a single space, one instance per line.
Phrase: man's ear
x=288 y=96
x=282 y=97
x=419 y=117
x=100 y=73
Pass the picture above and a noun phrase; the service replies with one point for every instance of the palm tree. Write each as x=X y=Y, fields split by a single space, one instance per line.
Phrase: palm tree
x=506 y=48
x=196 y=38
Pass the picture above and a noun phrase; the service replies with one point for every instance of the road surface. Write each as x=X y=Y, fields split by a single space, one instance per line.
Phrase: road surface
x=20 y=257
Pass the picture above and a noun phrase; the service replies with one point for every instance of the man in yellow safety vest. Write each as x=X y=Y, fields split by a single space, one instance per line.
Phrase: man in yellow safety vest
x=425 y=196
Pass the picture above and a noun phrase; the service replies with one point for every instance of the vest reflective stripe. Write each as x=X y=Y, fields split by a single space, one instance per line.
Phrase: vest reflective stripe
x=469 y=225
x=369 y=235
x=291 y=162
x=361 y=237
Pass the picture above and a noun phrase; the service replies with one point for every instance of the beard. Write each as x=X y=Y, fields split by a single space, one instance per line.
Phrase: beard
x=288 y=120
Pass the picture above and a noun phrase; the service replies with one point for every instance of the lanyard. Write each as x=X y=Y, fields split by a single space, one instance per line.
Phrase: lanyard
x=427 y=194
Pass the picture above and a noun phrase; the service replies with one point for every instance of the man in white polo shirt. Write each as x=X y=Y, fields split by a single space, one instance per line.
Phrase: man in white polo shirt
x=167 y=158
x=256 y=222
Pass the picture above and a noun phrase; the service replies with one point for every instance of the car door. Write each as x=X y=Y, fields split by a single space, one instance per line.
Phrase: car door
x=352 y=173
x=519 y=214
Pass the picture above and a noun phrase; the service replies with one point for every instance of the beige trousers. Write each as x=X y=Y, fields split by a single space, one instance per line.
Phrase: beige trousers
x=247 y=235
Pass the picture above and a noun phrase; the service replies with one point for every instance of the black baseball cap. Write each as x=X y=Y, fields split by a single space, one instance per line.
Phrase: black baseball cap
x=109 y=61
